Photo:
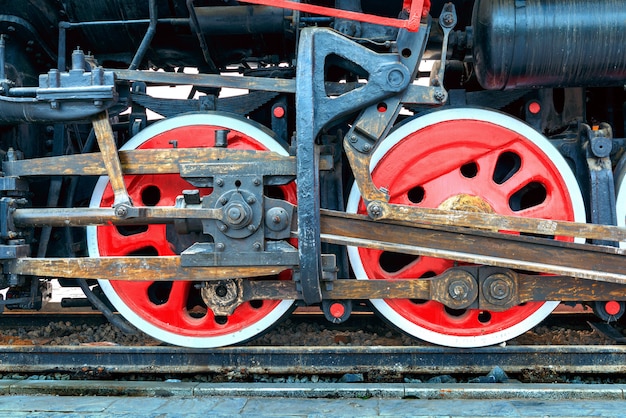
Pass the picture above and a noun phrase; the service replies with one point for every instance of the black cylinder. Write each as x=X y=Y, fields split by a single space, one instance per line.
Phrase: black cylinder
x=549 y=43
x=240 y=20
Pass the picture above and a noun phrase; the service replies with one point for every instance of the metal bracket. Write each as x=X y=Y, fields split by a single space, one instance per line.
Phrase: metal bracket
x=601 y=184
x=447 y=21
x=376 y=121
x=208 y=254
x=387 y=76
x=110 y=156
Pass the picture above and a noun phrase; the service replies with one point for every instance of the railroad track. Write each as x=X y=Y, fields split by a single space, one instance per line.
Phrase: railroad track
x=340 y=353
x=311 y=360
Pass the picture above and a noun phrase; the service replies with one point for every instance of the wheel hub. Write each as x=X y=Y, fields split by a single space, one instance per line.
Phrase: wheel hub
x=468 y=160
x=242 y=214
x=179 y=312
x=466 y=203
x=223 y=296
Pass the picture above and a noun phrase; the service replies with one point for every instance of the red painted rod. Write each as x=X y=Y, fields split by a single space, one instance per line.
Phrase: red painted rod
x=416 y=8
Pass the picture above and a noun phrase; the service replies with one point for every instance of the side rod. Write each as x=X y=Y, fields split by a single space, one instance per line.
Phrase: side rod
x=462 y=244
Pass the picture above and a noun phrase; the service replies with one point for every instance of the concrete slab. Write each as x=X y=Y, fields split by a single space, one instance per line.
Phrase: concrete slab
x=190 y=400
x=312 y=407
x=448 y=407
x=553 y=391
x=570 y=408
x=302 y=390
x=172 y=407
x=101 y=388
x=5 y=386
x=60 y=404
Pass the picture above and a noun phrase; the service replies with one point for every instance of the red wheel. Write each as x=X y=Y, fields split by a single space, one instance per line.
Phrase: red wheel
x=471 y=160
x=174 y=312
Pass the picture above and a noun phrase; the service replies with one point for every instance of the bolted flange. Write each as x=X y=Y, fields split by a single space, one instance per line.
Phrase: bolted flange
x=498 y=291
x=242 y=213
x=222 y=296
x=456 y=288
x=277 y=219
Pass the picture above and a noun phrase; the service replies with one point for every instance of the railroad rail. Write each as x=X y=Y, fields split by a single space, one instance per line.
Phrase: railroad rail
x=383 y=356
x=312 y=360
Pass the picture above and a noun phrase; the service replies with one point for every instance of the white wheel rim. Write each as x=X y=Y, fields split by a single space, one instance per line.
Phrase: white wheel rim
x=214 y=119
x=495 y=118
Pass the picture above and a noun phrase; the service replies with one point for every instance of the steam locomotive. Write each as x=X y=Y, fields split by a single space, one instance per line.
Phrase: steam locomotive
x=457 y=166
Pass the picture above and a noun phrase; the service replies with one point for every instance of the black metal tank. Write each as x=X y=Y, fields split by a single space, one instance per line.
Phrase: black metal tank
x=549 y=43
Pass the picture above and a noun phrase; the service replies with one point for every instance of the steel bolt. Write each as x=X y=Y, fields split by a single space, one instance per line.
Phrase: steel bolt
x=375 y=210
x=221 y=291
x=367 y=147
x=499 y=289
x=439 y=96
x=251 y=228
x=458 y=290
x=251 y=200
x=395 y=78
x=121 y=211
x=353 y=138
x=235 y=214
x=276 y=219
x=257 y=246
x=223 y=228
x=257 y=182
x=219 y=182
x=220 y=246
x=223 y=200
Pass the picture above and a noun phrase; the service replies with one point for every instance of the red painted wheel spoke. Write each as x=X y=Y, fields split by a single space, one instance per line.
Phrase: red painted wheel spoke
x=424 y=267
x=175 y=311
x=178 y=297
x=152 y=238
x=448 y=160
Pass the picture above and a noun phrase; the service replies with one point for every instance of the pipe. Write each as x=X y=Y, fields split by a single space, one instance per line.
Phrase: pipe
x=147 y=39
x=195 y=27
x=240 y=20
x=2 y=58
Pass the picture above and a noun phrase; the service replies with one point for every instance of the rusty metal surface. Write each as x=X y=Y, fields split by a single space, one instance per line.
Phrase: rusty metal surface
x=475 y=246
x=209 y=80
x=602 y=265
x=133 y=268
x=498 y=222
x=479 y=288
x=341 y=359
x=156 y=161
x=108 y=148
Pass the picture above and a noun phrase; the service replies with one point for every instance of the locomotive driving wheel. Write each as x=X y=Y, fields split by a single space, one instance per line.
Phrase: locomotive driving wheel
x=176 y=312
x=470 y=160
